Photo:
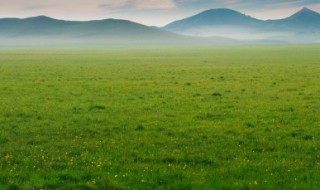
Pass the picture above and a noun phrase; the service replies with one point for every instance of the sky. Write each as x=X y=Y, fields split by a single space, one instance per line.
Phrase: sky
x=149 y=12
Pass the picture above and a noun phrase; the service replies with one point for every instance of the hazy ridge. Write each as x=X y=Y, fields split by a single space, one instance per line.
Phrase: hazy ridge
x=215 y=26
x=303 y=26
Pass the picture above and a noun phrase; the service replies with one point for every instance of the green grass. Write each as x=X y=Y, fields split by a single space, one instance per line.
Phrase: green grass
x=160 y=118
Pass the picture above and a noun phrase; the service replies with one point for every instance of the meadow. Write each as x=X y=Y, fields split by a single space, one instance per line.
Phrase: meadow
x=228 y=117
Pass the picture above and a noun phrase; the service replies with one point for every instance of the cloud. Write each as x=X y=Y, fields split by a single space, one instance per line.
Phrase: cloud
x=138 y=4
x=315 y=6
x=233 y=1
x=113 y=4
x=153 y=4
x=33 y=8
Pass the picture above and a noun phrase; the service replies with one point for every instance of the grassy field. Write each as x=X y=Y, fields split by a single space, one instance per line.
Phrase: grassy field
x=160 y=118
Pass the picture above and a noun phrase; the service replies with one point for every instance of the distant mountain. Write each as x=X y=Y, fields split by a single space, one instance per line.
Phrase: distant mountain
x=214 y=26
x=303 y=26
x=216 y=22
x=304 y=20
x=213 y=17
x=110 y=30
x=304 y=17
x=46 y=30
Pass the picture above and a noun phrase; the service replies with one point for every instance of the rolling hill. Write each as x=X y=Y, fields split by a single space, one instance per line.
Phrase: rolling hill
x=46 y=30
x=109 y=30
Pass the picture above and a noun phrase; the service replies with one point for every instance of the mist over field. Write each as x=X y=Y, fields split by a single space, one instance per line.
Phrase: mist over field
x=211 y=27
x=301 y=27
x=157 y=95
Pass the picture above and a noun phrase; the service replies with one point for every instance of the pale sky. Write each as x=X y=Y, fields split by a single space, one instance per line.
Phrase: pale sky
x=149 y=12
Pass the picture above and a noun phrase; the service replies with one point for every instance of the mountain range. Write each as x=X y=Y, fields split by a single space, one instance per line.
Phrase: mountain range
x=213 y=26
x=303 y=26
x=45 y=30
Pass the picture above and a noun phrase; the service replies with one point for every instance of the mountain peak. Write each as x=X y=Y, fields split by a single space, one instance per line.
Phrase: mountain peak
x=305 y=9
x=222 y=14
x=213 y=17
x=219 y=11
x=305 y=12
x=40 y=18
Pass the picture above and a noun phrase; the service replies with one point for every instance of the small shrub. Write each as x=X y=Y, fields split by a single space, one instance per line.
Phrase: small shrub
x=97 y=107
x=308 y=137
x=294 y=134
x=140 y=128
x=250 y=125
x=13 y=187
x=217 y=94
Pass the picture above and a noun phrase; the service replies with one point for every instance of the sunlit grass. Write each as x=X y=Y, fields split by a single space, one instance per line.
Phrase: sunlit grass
x=160 y=118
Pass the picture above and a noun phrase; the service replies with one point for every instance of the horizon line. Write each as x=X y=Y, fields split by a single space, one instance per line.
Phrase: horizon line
x=102 y=19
